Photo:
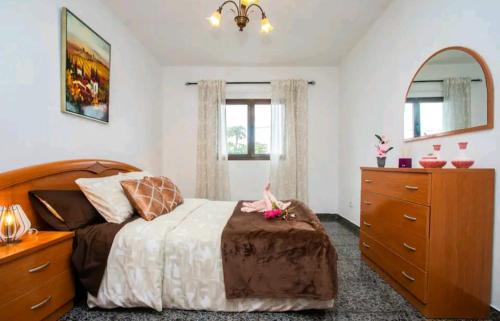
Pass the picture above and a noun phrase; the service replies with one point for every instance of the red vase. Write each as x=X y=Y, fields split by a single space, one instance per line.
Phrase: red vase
x=462 y=161
x=433 y=161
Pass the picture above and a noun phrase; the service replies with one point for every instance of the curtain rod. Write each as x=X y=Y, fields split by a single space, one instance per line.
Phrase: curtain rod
x=440 y=80
x=190 y=83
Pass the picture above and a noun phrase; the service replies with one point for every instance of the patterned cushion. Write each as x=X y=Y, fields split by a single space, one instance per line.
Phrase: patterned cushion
x=152 y=196
x=169 y=190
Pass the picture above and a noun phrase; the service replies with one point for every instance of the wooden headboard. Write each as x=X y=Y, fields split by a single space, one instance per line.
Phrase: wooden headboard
x=15 y=184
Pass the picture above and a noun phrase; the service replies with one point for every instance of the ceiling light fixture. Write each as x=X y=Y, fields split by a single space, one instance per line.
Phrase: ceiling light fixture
x=242 y=11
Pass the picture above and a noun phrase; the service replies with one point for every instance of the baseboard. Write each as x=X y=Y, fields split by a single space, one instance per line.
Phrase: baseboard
x=348 y=224
x=495 y=314
x=327 y=217
x=334 y=217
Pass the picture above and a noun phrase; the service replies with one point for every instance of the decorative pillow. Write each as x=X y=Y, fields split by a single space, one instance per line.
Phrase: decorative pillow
x=146 y=198
x=169 y=190
x=64 y=210
x=152 y=196
x=107 y=196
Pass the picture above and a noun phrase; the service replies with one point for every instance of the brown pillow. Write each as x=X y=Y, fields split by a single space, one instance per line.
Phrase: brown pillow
x=169 y=190
x=152 y=196
x=145 y=198
x=64 y=210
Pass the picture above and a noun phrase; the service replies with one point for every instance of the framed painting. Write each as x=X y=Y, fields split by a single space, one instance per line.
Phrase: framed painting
x=85 y=66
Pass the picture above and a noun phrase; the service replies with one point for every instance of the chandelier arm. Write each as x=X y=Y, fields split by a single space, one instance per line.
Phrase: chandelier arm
x=258 y=6
x=230 y=1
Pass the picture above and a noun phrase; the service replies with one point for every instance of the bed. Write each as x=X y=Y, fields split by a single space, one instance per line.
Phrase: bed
x=174 y=261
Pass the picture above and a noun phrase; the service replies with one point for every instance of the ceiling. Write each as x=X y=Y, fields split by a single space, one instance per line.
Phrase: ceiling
x=306 y=33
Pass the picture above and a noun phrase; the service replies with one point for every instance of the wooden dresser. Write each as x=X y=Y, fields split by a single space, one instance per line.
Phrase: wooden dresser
x=429 y=233
x=35 y=277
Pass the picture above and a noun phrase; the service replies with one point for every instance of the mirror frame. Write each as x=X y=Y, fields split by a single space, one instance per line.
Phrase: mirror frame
x=489 y=94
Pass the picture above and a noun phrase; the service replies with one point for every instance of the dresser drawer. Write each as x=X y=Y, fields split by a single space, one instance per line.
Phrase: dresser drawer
x=407 y=275
x=24 y=274
x=411 y=187
x=40 y=302
x=410 y=217
x=411 y=247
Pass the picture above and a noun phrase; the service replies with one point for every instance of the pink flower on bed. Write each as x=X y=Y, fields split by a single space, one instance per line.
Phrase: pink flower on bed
x=272 y=214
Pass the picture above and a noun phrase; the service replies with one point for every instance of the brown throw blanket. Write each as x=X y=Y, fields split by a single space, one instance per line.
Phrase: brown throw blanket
x=91 y=250
x=276 y=258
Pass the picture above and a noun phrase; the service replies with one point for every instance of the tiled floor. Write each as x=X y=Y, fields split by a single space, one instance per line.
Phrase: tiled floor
x=362 y=296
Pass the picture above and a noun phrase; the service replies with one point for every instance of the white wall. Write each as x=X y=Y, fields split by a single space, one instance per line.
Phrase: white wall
x=374 y=77
x=248 y=177
x=32 y=127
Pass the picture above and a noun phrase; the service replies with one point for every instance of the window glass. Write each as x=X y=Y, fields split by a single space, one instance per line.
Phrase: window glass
x=262 y=129
x=408 y=122
x=431 y=118
x=237 y=129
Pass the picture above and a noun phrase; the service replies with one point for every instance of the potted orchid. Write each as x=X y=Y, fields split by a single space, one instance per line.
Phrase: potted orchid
x=382 y=149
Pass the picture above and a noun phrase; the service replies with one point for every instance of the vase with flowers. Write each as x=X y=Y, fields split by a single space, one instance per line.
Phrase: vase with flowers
x=382 y=149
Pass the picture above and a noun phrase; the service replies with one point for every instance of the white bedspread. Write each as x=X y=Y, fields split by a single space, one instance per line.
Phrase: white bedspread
x=175 y=261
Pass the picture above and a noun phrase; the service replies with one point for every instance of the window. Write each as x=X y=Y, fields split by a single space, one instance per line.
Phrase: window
x=248 y=129
x=423 y=116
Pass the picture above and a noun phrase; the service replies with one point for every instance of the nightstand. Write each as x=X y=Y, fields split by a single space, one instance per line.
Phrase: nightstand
x=36 y=281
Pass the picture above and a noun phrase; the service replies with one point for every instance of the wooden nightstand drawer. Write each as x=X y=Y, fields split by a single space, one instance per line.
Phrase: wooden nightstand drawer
x=40 y=302
x=411 y=187
x=27 y=272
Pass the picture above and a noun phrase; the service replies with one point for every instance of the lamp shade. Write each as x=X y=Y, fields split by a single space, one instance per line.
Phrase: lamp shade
x=13 y=223
x=215 y=18
x=246 y=3
x=265 y=25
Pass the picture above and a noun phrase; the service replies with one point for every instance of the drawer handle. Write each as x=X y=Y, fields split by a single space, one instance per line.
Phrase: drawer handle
x=411 y=248
x=368 y=181
x=367 y=203
x=410 y=218
x=411 y=188
x=366 y=224
x=366 y=245
x=39 y=268
x=41 y=304
x=407 y=276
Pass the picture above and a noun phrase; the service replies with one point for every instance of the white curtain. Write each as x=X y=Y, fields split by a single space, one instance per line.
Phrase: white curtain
x=289 y=109
x=212 y=174
x=456 y=103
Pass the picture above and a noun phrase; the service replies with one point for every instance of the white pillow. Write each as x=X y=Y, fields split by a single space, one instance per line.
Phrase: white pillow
x=107 y=196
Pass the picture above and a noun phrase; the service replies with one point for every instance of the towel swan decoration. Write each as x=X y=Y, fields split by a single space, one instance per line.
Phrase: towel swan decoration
x=266 y=204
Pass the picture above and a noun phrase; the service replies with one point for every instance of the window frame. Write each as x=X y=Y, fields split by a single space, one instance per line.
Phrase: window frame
x=415 y=101
x=250 y=155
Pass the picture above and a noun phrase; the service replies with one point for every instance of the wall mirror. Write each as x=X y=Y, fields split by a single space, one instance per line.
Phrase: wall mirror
x=451 y=93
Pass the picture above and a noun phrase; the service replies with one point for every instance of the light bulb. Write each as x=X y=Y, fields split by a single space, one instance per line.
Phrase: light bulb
x=265 y=26
x=215 y=18
x=9 y=219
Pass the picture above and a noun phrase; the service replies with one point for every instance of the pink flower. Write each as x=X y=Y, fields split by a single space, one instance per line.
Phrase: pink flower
x=272 y=214
x=382 y=148
x=381 y=152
